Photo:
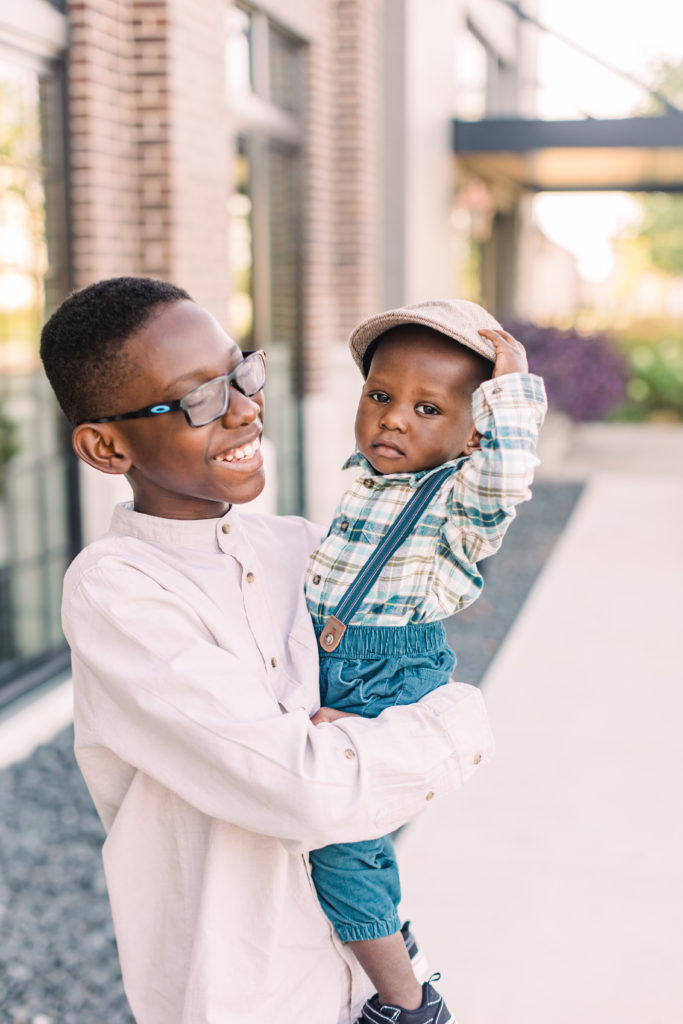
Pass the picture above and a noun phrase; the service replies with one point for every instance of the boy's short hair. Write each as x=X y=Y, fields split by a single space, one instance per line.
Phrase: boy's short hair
x=457 y=319
x=81 y=344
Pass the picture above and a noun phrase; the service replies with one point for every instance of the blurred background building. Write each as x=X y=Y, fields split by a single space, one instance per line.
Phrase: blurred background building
x=295 y=165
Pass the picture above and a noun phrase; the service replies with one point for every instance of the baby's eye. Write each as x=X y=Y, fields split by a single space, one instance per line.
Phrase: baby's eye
x=428 y=410
x=378 y=396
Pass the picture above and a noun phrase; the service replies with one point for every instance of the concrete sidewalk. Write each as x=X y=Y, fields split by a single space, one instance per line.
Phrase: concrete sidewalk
x=550 y=888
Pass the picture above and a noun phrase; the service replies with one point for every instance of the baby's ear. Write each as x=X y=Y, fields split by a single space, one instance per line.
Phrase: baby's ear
x=473 y=442
x=101 y=447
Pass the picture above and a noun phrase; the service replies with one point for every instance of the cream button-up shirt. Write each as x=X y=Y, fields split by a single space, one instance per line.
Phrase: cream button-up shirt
x=195 y=674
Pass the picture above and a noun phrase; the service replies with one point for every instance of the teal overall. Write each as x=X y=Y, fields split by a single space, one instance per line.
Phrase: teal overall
x=368 y=669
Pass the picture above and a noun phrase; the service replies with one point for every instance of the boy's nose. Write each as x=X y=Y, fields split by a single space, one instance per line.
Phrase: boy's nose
x=241 y=409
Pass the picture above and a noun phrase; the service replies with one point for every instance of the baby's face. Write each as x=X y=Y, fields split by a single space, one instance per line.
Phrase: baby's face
x=415 y=411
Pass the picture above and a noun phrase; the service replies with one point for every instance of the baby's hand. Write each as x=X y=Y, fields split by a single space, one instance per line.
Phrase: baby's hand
x=510 y=353
x=330 y=715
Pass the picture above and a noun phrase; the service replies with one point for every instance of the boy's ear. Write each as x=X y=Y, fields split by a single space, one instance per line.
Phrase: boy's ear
x=473 y=441
x=101 y=447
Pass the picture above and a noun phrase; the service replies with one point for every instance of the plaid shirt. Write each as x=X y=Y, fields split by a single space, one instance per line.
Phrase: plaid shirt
x=434 y=572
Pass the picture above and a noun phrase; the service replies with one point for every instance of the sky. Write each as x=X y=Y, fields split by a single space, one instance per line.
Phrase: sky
x=634 y=36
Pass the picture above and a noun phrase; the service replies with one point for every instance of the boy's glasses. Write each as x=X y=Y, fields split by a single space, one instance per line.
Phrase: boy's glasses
x=209 y=401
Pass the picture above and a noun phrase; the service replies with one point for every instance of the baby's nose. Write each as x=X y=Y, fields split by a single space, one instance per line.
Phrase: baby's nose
x=395 y=417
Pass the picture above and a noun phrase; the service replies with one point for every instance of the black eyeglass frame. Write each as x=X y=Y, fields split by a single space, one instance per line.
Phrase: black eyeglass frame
x=161 y=408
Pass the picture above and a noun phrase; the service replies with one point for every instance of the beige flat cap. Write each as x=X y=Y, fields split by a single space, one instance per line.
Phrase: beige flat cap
x=456 y=318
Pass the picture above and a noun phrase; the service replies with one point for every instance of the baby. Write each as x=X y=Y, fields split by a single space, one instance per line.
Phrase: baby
x=446 y=391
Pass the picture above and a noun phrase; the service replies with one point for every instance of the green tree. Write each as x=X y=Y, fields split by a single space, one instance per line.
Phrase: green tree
x=661 y=229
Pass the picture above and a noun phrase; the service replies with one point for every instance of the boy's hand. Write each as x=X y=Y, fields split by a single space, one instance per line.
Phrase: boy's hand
x=330 y=715
x=510 y=353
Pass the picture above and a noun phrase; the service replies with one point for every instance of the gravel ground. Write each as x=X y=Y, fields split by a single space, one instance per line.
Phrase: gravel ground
x=58 y=961
x=477 y=633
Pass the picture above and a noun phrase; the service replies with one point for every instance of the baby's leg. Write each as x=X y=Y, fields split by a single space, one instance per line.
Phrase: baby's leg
x=359 y=890
x=358 y=883
x=387 y=964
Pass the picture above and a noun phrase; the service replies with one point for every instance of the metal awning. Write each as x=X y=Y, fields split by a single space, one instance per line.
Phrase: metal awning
x=633 y=154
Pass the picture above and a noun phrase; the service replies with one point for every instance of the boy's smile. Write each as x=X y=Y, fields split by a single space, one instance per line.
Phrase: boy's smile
x=178 y=471
x=415 y=411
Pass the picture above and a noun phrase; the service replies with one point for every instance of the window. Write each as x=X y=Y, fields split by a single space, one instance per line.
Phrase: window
x=37 y=528
x=264 y=81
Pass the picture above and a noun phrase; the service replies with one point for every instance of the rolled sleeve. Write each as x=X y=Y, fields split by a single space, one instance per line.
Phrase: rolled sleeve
x=508 y=412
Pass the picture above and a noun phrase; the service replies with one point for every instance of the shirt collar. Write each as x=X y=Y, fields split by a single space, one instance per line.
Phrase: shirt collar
x=210 y=534
x=379 y=479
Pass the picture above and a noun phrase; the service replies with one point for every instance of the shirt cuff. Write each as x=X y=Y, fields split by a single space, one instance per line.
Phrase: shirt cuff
x=466 y=734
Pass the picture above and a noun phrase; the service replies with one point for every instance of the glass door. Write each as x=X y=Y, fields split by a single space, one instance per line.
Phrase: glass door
x=38 y=522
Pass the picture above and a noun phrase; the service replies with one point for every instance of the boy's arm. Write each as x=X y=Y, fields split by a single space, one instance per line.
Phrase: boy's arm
x=508 y=411
x=153 y=687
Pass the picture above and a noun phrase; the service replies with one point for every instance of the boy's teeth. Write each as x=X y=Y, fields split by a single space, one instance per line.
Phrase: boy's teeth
x=240 y=454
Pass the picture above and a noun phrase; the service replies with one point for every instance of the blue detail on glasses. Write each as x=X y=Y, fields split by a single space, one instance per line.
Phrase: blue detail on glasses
x=160 y=408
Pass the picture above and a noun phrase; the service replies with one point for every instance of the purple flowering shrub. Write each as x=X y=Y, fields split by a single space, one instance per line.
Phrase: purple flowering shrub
x=585 y=375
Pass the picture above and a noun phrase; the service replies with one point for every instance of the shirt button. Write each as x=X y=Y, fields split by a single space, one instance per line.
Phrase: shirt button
x=348 y=753
x=273 y=662
x=316 y=579
x=497 y=390
x=250 y=577
x=368 y=483
x=225 y=527
x=429 y=795
x=344 y=526
x=476 y=759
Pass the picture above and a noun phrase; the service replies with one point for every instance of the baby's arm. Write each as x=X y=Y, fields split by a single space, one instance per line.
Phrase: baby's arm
x=508 y=411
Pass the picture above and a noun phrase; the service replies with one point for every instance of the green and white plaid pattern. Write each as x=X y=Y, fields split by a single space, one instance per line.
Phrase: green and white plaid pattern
x=434 y=572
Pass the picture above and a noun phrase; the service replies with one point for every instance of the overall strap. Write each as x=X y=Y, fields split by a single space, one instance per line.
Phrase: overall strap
x=335 y=627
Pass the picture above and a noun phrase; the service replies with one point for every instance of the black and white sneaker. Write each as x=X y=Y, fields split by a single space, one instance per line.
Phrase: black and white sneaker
x=417 y=956
x=432 y=1011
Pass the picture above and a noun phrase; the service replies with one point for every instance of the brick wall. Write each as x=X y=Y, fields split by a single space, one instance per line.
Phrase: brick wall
x=357 y=159
x=104 y=173
x=199 y=149
x=319 y=300
x=149 y=143
x=152 y=131
x=150 y=147
x=342 y=270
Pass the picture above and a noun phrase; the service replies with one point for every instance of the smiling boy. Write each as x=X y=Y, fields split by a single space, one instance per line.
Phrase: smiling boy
x=445 y=389
x=195 y=675
x=176 y=472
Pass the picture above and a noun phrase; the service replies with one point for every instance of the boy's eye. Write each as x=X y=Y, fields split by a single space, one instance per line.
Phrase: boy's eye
x=428 y=410
x=378 y=396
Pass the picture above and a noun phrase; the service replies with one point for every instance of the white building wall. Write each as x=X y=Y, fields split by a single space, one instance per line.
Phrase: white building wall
x=548 y=280
x=429 y=165
x=329 y=416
